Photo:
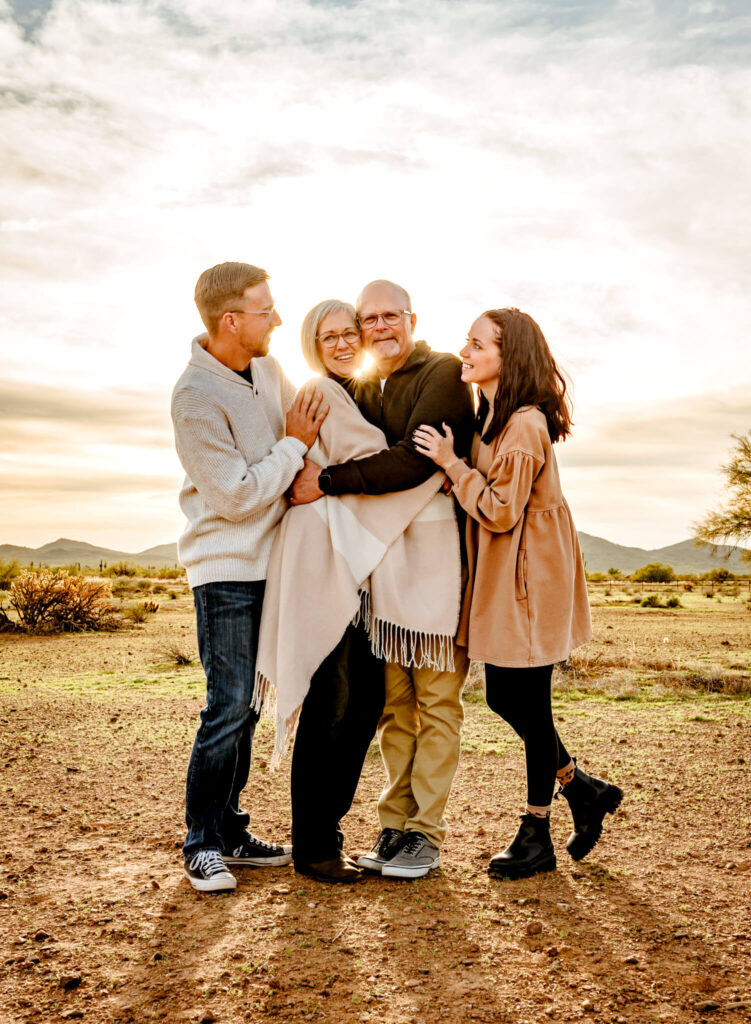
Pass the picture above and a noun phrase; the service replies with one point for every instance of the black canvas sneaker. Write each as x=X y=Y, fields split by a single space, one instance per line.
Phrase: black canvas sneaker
x=257 y=853
x=384 y=848
x=207 y=872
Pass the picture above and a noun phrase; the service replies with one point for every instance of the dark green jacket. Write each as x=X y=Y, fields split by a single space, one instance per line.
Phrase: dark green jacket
x=427 y=389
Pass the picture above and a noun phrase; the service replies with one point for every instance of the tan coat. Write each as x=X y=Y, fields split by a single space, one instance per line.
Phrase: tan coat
x=526 y=600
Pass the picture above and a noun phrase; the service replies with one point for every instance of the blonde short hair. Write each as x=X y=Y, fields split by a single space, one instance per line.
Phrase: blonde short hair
x=309 y=330
x=220 y=287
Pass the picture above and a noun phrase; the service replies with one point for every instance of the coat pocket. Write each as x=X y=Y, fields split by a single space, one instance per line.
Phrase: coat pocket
x=521 y=574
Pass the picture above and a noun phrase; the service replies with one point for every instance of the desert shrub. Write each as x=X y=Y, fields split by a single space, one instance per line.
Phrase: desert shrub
x=8 y=572
x=151 y=607
x=651 y=601
x=179 y=655
x=173 y=595
x=654 y=572
x=159 y=588
x=596 y=577
x=709 y=593
x=688 y=587
x=169 y=574
x=718 y=575
x=123 y=586
x=136 y=613
x=708 y=680
x=144 y=586
x=56 y=602
x=673 y=602
x=120 y=569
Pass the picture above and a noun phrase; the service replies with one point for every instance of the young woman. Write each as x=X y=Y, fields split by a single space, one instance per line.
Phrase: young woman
x=526 y=605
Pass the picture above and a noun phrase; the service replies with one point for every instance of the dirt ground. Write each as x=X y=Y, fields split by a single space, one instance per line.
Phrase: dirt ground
x=97 y=922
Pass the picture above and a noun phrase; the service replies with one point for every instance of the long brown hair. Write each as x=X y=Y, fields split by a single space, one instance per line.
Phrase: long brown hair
x=529 y=376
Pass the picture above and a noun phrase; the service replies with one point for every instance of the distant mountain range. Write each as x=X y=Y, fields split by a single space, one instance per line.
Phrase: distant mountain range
x=73 y=552
x=599 y=556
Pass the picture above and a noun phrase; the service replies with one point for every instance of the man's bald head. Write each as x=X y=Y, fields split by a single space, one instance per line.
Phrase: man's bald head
x=399 y=295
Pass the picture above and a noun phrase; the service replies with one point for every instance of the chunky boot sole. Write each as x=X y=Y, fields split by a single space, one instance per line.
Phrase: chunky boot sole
x=514 y=872
x=581 y=843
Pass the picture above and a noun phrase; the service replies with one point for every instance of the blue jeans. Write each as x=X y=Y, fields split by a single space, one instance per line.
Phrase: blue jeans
x=228 y=616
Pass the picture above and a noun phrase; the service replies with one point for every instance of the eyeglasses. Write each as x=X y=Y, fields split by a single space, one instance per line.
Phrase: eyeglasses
x=391 y=318
x=254 y=312
x=331 y=339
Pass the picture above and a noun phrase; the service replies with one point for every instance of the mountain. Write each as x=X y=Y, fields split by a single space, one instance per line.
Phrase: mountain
x=74 y=552
x=599 y=556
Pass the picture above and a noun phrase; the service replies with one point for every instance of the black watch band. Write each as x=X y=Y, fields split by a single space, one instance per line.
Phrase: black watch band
x=324 y=480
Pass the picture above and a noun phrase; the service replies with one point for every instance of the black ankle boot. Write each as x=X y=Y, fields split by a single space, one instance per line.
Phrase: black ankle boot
x=590 y=799
x=531 y=851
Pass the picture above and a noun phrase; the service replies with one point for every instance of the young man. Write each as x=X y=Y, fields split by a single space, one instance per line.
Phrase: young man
x=420 y=732
x=240 y=454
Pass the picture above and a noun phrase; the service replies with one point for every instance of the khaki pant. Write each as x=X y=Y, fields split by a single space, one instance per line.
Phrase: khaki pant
x=420 y=738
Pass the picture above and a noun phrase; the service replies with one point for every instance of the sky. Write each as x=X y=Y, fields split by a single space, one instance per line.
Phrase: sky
x=588 y=162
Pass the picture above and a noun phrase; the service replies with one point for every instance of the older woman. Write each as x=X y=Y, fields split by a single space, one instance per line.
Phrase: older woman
x=345 y=701
x=351 y=581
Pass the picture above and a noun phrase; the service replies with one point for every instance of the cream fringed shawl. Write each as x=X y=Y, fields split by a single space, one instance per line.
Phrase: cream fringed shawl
x=390 y=560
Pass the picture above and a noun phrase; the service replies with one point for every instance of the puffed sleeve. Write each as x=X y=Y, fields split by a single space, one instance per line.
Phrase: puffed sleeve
x=498 y=501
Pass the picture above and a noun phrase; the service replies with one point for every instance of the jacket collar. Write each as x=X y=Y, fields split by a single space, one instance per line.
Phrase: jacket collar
x=203 y=360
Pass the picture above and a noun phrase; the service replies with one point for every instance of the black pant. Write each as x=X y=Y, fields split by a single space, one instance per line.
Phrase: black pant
x=338 y=720
x=522 y=697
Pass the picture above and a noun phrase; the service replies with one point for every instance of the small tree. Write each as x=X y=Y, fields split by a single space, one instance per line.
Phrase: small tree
x=731 y=523
x=654 y=572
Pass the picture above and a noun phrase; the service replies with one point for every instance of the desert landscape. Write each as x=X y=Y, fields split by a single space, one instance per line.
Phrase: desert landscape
x=100 y=925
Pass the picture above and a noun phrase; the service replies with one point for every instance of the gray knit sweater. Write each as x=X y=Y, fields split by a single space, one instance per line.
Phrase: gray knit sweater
x=230 y=440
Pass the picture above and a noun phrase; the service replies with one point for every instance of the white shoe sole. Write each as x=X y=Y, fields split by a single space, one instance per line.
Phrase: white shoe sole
x=259 y=862
x=398 y=871
x=220 y=883
x=371 y=864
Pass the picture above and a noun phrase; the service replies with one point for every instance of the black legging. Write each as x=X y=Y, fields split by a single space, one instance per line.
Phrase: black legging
x=522 y=697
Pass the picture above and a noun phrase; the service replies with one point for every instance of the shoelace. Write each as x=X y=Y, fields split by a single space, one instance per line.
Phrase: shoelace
x=413 y=845
x=387 y=837
x=209 y=862
x=262 y=843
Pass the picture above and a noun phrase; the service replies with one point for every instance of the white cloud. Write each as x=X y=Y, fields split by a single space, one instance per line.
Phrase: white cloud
x=587 y=162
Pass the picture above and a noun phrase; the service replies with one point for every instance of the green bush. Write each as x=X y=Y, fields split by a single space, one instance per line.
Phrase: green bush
x=651 y=601
x=8 y=572
x=169 y=574
x=654 y=572
x=120 y=569
x=673 y=602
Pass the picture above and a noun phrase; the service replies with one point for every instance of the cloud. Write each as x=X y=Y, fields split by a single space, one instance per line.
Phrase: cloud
x=585 y=161
x=693 y=434
x=27 y=401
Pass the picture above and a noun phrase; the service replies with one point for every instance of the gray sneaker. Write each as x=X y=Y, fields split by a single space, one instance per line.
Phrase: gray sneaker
x=415 y=858
x=385 y=847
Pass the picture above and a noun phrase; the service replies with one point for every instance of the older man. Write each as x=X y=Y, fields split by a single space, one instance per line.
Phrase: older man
x=240 y=453
x=420 y=731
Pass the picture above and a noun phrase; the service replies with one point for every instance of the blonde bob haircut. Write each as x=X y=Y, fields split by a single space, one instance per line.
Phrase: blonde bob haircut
x=309 y=330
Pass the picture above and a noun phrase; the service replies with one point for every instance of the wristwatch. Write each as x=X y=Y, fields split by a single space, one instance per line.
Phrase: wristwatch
x=324 y=480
